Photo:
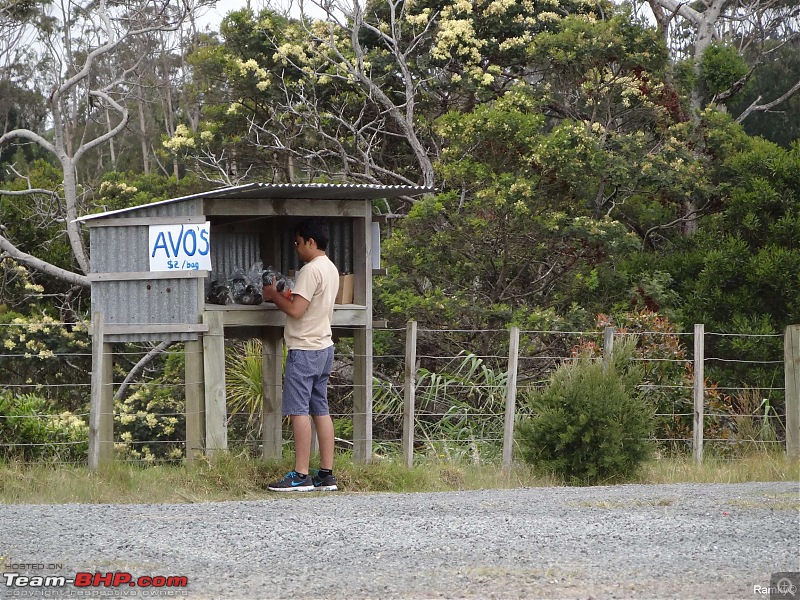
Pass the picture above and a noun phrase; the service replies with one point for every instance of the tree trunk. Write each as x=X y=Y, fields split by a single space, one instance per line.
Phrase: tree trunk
x=111 y=147
x=71 y=203
x=143 y=138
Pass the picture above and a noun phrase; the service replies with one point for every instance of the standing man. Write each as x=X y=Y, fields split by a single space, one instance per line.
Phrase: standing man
x=307 y=334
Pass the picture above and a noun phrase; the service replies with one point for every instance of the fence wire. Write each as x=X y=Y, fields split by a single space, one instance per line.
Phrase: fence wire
x=45 y=385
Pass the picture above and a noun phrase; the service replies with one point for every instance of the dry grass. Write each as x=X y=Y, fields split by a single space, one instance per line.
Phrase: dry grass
x=760 y=465
x=234 y=478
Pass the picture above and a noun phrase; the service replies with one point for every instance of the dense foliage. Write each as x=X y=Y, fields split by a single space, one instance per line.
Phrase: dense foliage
x=586 y=162
x=31 y=431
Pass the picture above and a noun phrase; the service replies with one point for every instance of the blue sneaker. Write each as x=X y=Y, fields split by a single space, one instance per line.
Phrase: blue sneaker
x=292 y=482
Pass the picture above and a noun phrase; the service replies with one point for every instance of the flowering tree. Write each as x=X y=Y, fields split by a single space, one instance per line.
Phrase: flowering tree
x=353 y=95
x=90 y=75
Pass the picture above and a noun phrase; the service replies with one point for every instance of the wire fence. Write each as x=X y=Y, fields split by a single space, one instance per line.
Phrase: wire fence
x=460 y=381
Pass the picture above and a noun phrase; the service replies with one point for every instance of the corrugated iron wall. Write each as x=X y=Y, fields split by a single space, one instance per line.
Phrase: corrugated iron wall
x=124 y=249
x=150 y=302
x=230 y=251
x=340 y=247
x=119 y=249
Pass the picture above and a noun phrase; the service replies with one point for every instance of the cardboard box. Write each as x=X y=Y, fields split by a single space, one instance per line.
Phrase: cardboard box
x=345 y=295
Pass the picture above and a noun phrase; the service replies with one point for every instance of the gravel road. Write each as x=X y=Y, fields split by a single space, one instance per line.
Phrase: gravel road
x=635 y=541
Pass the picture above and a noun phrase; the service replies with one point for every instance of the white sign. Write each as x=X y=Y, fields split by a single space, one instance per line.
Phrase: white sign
x=180 y=247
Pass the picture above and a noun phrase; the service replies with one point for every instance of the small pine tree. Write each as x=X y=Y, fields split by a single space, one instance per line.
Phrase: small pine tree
x=590 y=424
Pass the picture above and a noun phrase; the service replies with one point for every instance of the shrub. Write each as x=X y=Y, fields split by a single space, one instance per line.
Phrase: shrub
x=29 y=432
x=668 y=378
x=45 y=356
x=150 y=423
x=590 y=424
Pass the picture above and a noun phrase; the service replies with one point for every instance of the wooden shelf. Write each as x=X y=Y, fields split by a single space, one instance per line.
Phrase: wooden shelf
x=268 y=315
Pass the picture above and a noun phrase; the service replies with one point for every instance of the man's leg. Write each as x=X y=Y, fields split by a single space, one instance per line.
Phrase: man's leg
x=325 y=437
x=297 y=382
x=319 y=409
x=301 y=427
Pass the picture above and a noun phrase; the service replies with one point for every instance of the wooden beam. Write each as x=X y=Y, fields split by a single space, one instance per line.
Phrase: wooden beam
x=791 y=355
x=145 y=221
x=214 y=383
x=272 y=386
x=156 y=329
x=281 y=207
x=511 y=399
x=101 y=412
x=608 y=347
x=362 y=395
x=699 y=392
x=409 y=394
x=145 y=275
x=195 y=404
x=362 y=338
x=268 y=315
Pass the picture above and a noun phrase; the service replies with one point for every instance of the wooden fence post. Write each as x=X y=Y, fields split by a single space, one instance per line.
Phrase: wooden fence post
x=608 y=347
x=101 y=413
x=699 y=392
x=195 y=405
x=362 y=394
x=272 y=387
x=791 y=369
x=511 y=399
x=214 y=383
x=408 y=396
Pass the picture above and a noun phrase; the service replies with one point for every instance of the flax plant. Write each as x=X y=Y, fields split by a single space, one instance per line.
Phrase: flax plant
x=244 y=386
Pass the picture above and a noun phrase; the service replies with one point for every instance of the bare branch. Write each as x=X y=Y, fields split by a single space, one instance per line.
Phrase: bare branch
x=756 y=107
x=735 y=88
x=108 y=134
x=27 y=134
x=41 y=265
x=28 y=192
x=139 y=367
x=681 y=8
x=113 y=42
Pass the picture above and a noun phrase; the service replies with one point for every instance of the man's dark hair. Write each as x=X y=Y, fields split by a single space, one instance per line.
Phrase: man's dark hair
x=314 y=228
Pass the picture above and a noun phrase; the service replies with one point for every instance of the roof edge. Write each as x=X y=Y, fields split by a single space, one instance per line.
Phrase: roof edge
x=234 y=190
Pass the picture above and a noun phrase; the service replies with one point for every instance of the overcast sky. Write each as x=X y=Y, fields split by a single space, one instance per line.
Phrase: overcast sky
x=214 y=15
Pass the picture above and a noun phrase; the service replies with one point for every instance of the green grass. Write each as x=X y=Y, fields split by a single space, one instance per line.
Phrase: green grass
x=228 y=477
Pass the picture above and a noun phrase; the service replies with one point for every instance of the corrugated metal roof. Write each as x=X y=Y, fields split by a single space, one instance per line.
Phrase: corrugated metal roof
x=312 y=191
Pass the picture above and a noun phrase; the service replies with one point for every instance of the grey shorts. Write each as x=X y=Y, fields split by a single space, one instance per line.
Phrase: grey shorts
x=305 y=382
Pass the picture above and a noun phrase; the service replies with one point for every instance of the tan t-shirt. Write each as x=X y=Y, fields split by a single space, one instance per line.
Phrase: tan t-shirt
x=317 y=282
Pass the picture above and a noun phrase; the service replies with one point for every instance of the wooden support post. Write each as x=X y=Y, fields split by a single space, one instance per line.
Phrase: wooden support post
x=101 y=413
x=791 y=360
x=362 y=395
x=195 y=405
x=272 y=386
x=699 y=392
x=511 y=399
x=608 y=347
x=214 y=382
x=409 y=393
x=362 y=338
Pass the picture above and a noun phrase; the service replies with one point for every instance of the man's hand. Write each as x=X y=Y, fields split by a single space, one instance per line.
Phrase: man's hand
x=269 y=292
x=295 y=306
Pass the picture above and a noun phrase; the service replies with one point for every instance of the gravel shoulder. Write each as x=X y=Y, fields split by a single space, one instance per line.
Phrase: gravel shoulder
x=713 y=541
